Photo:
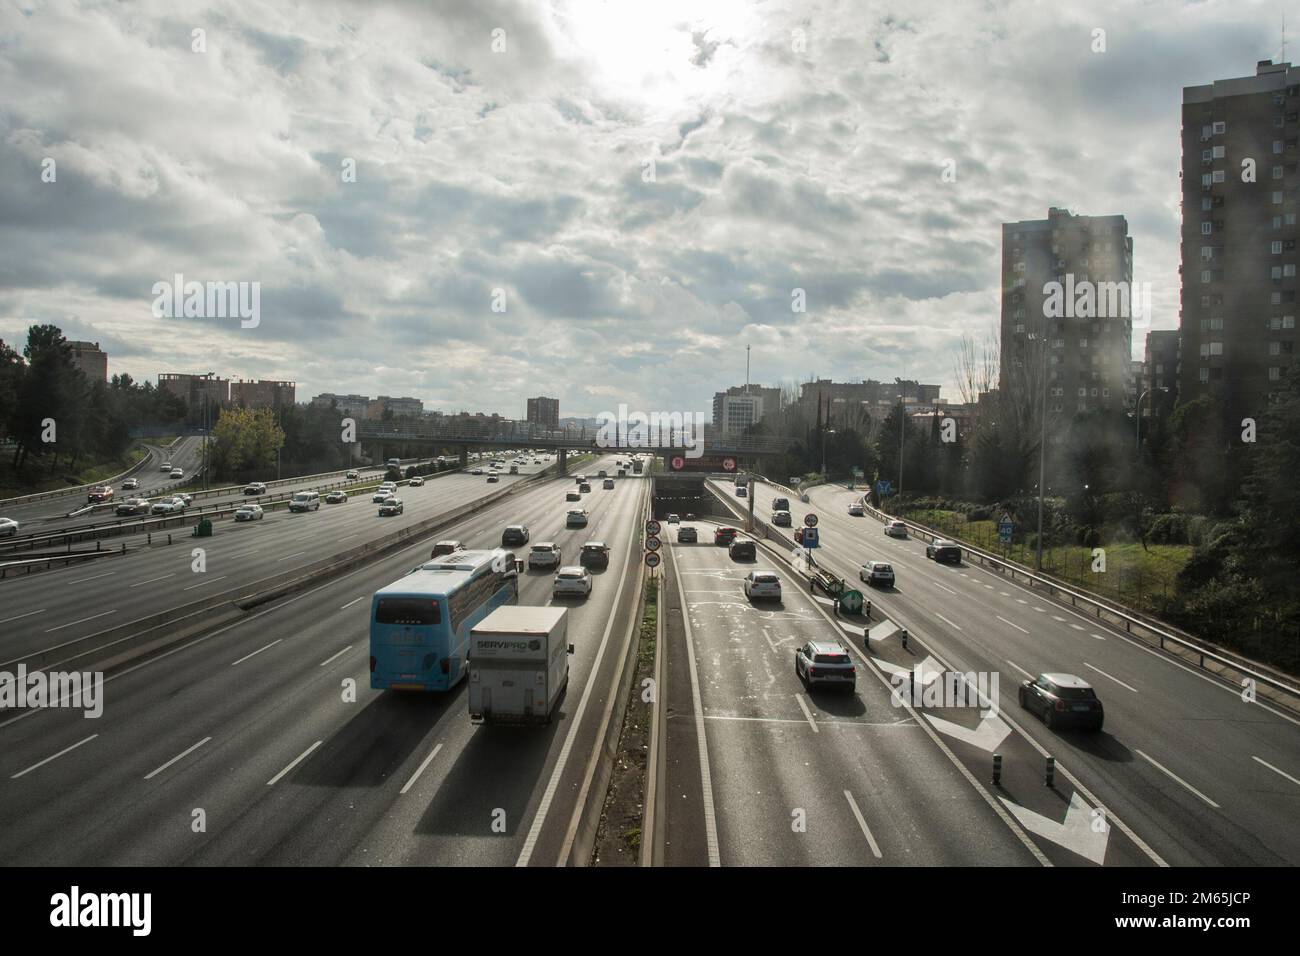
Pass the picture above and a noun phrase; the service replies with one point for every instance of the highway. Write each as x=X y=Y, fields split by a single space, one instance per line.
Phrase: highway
x=244 y=745
x=1190 y=770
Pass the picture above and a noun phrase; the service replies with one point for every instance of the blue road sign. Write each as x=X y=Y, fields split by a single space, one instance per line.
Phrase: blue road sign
x=809 y=537
x=1005 y=527
x=884 y=486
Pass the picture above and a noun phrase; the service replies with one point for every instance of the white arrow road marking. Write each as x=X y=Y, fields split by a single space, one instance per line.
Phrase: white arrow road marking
x=1075 y=834
x=988 y=734
x=930 y=670
x=883 y=630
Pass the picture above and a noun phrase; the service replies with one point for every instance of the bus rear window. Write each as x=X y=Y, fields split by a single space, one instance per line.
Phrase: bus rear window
x=410 y=611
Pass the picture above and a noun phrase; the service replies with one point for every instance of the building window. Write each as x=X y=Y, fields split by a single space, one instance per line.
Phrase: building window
x=1276 y=247
x=1277 y=198
x=1277 y=172
x=1288 y=270
x=1275 y=273
x=1204 y=374
x=1218 y=175
x=1274 y=373
x=1288 y=321
x=1277 y=147
x=1274 y=348
x=1083 y=393
x=1220 y=128
x=1218 y=152
x=1205 y=275
x=1206 y=228
x=1207 y=253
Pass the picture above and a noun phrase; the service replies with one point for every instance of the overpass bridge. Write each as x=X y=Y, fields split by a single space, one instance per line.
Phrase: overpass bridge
x=381 y=440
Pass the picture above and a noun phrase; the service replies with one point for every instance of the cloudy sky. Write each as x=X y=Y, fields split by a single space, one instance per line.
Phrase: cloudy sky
x=644 y=181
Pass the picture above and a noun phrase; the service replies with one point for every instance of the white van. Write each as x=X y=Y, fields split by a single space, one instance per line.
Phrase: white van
x=305 y=501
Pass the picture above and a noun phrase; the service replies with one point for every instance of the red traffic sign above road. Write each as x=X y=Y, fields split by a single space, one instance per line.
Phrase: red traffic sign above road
x=810 y=520
x=653 y=544
x=652 y=559
x=728 y=464
x=652 y=527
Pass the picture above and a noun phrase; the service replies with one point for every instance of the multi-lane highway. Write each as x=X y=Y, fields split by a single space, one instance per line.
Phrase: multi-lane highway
x=1188 y=772
x=262 y=742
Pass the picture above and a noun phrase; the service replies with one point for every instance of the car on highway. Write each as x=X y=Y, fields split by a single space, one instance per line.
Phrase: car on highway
x=1062 y=701
x=608 y=484
x=446 y=546
x=855 y=510
x=742 y=549
x=780 y=504
x=572 y=581
x=514 y=534
x=741 y=492
x=168 y=506
x=381 y=495
x=725 y=535
x=131 y=484
x=877 y=572
x=391 y=506
x=388 y=486
x=674 y=519
x=782 y=518
x=99 y=494
x=352 y=475
x=187 y=498
x=824 y=662
x=305 y=501
x=544 y=554
x=896 y=528
x=493 y=479
x=942 y=550
x=178 y=473
x=572 y=496
x=594 y=554
x=477 y=471
x=8 y=527
x=165 y=466
x=337 y=497
x=762 y=584
x=134 y=506
x=416 y=482
x=249 y=513
x=255 y=488
x=576 y=518
x=687 y=534
x=584 y=487
x=579 y=479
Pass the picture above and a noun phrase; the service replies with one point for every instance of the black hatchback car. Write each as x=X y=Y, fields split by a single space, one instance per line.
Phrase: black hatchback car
x=1062 y=701
x=514 y=534
x=946 y=551
x=594 y=554
x=742 y=549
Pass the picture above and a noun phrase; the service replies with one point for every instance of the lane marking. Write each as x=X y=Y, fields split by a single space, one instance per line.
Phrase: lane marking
x=23 y=773
x=862 y=822
x=807 y=713
x=943 y=587
x=335 y=656
x=258 y=651
x=17 y=617
x=1097 y=636
x=92 y=577
x=420 y=769
x=49 y=630
x=1275 y=770
x=1016 y=626
x=208 y=581
x=1173 y=776
x=1115 y=679
x=946 y=621
x=296 y=554
x=184 y=753
x=350 y=603
x=297 y=760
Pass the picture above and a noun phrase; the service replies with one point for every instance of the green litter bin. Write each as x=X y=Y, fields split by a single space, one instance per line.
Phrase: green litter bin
x=203 y=529
x=851 y=601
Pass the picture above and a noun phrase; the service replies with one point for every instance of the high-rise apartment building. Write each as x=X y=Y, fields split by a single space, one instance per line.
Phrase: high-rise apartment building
x=743 y=405
x=90 y=359
x=1161 y=370
x=545 y=412
x=1241 y=194
x=193 y=390
x=268 y=394
x=1067 y=281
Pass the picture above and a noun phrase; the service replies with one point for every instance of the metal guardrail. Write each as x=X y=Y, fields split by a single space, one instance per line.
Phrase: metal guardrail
x=1184 y=648
x=28 y=565
x=76 y=489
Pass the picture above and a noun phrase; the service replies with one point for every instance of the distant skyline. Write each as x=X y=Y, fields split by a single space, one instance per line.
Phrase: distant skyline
x=794 y=146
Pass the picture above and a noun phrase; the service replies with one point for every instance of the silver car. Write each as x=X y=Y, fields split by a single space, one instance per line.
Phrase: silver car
x=544 y=554
x=762 y=584
x=249 y=513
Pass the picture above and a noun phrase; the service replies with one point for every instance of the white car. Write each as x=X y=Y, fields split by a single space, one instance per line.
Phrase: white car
x=391 y=506
x=416 y=482
x=576 y=518
x=166 y=466
x=762 y=584
x=674 y=519
x=131 y=484
x=855 y=509
x=572 y=580
x=544 y=554
x=896 y=529
x=168 y=506
x=8 y=526
x=352 y=475
x=877 y=572
x=477 y=471
x=249 y=513
x=336 y=497
x=382 y=495
x=178 y=473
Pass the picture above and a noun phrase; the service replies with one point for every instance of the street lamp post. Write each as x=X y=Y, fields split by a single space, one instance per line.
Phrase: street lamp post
x=1137 y=416
x=902 y=434
x=1042 y=458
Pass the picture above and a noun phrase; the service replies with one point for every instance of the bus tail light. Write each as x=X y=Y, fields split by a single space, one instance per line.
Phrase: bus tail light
x=446 y=665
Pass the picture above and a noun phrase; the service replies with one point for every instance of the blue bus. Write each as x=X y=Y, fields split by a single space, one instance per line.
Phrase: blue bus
x=420 y=624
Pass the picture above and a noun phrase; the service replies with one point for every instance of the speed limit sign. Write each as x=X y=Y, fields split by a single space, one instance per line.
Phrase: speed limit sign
x=653 y=544
x=810 y=520
x=652 y=528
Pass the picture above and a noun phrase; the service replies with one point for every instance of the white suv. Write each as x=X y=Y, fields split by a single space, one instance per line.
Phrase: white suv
x=572 y=580
x=896 y=529
x=824 y=662
x=544 y=554
x=762 y=584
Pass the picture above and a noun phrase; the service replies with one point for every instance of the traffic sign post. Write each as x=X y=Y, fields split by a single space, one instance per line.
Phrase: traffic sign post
x=810 y=520
x=653 y=544
x=652 y=559
x=651 y=528
x=1005 y=529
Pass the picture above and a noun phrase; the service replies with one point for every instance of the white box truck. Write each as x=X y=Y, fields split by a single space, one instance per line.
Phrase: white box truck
x=518 y=664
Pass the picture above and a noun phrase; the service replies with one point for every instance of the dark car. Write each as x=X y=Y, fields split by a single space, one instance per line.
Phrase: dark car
x=1062 y=701
x=572 y=496
x=514 y=534
x=941 y=550
x=594 y=554
x=687 y=535
x=780 y=504
x=781 y=518
x=725 y=535
x=584 y=487
x=446 y=547
x=742 y=549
